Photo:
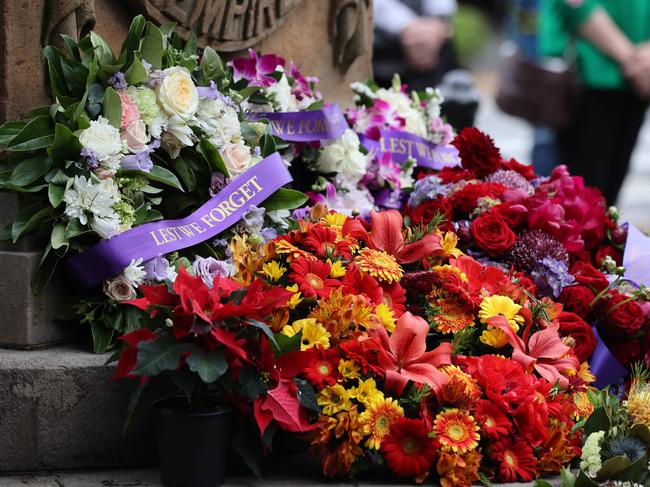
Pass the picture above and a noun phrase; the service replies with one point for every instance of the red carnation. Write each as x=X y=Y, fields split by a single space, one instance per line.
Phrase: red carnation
x=577 y=299
x=585 y=341
x=492 y=234
x=424 y=213
x=466 y=198
x=408 y=449
x=455 y=174
x=621 y=317
x=608 y=250
x=525 y=170
x=588 y=275
x=477 y=151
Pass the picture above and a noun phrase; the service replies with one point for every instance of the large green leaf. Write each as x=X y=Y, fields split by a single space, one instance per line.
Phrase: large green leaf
x=27 y=219
x=55 y=194
x=75 y=75
x=102 y=50
x=209 y=365
x=58 y=238
x=211 y=154
x=136 y=73
x=158 y=174
x=612 y=467
x=21 y=189
x=186 y=173
x=151 y=48
x=37 y=134
x=102 y=336
x=212 y=65
x=57 y=80
x=29 y=170
x=9 y=130
x=66 y=145
x=45 y=270
x=112 y=107
x=160 y=355
x=71 y=44
x=132 y=41
x=285 y=199
x=598 y=421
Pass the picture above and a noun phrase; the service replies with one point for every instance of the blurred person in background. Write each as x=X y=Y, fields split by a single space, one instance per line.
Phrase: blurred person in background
x=413 y=38
x=612 y=48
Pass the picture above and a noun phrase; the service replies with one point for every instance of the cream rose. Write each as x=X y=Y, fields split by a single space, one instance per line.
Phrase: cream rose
x=178 y=94
x=237 y=158
x=119 y=289
x=135 y=136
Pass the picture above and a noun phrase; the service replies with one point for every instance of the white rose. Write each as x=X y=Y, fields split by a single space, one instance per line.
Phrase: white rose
x=342 y=156
x=178 y=94
x=237 y=158
x=119 y=289
x=102 y=139
x=135 y=136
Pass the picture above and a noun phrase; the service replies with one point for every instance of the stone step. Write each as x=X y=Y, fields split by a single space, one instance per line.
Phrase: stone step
x=58 y=411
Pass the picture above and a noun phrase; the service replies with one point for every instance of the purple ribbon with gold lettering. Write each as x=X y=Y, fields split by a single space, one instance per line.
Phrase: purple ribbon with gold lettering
x=605 y=367
x=305 y=126
x=110 y=257
x=404 y=145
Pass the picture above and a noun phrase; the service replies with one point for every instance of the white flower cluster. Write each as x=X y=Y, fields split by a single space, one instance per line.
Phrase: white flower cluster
x=343 y=157
x=590 y=461
x=92 y=201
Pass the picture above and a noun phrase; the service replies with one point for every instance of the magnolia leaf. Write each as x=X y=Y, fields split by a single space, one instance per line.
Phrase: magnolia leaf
x=132 y=41
x=102 y=50
x=29 y=170
x=211 y=154
x=27 y=219
x=212 y=65
x=66 y=145
x=75 y=75
x=58 y=238
x=159 y=355
x=71 y=44
x=35 y=135
x=285 y=199
x=151 y=48
x=45 y=270
x=642 y=432
x=184 y=170
x=9 y=130
x=102 y=336
x=21 y=189
x=209 y=365
x=158 y=174
x=598 y=421
x=268 y=145
x=55 y=194
x=112 y=107
x=136 y=73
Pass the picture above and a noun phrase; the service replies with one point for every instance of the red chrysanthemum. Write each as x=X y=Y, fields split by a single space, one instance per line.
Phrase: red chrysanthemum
x=477 y=151
x=516 y=460
x=408 y=449
x=464 y=200
x=492 y=420
x=577 y=299
x=313 y=277
x=323 y=369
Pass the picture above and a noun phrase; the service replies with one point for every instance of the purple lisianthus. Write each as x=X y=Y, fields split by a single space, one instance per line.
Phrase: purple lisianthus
x=207 y=268
x=141 y=161
x=551 y=276
x=253 y=218
x=256 y=69
x=427 y=189
x=212 y=93
x=89 y=158
x=158 y=269
x=217 y=183
x=268 y=233
x=155 y=78
x=118 y=81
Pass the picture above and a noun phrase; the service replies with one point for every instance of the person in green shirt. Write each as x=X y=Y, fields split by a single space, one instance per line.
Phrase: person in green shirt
x=610 y=41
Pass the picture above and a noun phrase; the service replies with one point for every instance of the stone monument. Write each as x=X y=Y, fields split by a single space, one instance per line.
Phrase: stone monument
x=57 y=409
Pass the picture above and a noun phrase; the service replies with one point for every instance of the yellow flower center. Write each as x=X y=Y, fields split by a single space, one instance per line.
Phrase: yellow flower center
x=509 y=459
x=314 y=281
x=456 y=432
x=324 y=369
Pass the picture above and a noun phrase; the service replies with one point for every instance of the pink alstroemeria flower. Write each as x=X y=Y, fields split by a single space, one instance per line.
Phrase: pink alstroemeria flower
x=255 y=69
x=544 y=352
x=404 y=357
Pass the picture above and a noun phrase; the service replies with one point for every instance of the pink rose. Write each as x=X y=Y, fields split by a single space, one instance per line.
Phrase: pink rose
x=237 y=158
x=135 y=136
x=130 y=112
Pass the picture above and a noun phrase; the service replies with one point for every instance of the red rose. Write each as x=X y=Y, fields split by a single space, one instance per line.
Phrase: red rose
x=477 y=151
x=492 y=234
x=588 y=275
x=465 y=199
x=513 y=214
x=625 y=351
x=424 y=213
x=606 y=250
x=578 y=329
x=577 y=299
x=620 y=317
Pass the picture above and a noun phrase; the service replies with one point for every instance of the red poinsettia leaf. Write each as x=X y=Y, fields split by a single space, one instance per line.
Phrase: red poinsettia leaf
x=263 y=417
x=229 y=340
x=285 y=407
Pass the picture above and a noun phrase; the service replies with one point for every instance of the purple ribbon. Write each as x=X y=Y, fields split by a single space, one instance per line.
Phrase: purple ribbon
x=637 y=256
x=305 y=126
x=605 y=367
x=404 y=145
x=110 y=257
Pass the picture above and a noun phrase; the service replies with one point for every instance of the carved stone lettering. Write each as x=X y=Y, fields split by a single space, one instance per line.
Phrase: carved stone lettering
x=226 y=25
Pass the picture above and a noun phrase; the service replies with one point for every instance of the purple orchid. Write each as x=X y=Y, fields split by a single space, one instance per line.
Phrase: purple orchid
x=255 y=69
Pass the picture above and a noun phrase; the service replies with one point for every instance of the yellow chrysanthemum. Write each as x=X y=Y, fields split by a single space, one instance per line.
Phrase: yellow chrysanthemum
x=366 y=392
x=335 y=220
x=499 y=306
x=334 y=399
x=456 y=431
x=377 y=418
x=387 y=316
x=448 y=242
x=337 y=269
x=273 y=270
x=348 y=369
x=379 y=264
x=313 y=333
x=296 y=299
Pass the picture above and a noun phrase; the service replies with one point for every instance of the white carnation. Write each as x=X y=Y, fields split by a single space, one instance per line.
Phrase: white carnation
x=281 y=96
x=226 y=129
x=342 y=156
x=85 y=198
x=102 y=139
x=135 y=272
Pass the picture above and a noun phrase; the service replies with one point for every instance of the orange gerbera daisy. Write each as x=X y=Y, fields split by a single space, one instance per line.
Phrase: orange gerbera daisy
x=313 y=277
x=283 y=247
x=377 y=419
x=452 y=315
x=379 y=264
x=456 y=431
x=462 y=390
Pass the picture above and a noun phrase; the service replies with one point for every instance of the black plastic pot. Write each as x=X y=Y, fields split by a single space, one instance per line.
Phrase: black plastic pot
x=192 y=446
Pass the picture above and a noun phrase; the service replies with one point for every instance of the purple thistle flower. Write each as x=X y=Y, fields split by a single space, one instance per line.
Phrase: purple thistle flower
x=118 y=81
x=532 y=247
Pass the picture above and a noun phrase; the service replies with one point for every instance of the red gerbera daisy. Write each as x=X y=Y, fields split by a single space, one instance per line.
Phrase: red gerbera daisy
x=320 y=240
x=323 y=369
x=516 y=460
x=313 y=277
x=395 y=297
x=408 y=449
x=355 y=282
x=493 y=422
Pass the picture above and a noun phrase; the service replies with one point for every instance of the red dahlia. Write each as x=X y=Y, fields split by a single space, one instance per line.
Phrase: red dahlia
x=477 y=151
x=408 y=449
